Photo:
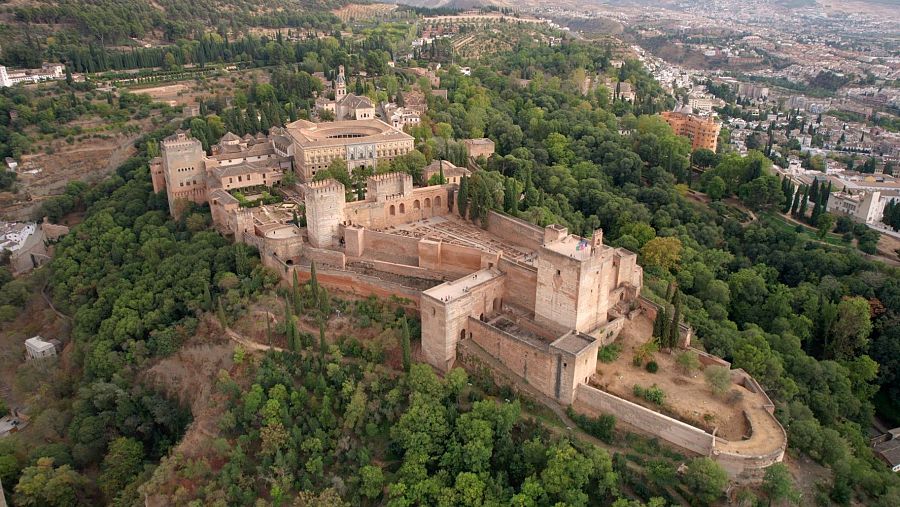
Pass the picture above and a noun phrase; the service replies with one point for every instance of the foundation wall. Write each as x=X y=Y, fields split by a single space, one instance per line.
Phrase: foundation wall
x=594 y=402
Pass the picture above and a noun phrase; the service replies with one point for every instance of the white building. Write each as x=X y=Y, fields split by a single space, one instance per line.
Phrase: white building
x=863 y=207
x=37 y=348
x=47 y=72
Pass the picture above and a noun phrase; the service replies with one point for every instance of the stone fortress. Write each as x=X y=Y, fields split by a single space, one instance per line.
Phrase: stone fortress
x=537 y=301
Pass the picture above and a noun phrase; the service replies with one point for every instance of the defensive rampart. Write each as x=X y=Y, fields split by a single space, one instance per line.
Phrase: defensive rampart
x=594 y=402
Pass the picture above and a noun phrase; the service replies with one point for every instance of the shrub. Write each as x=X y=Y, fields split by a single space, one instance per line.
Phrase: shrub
x=688 y=362
x=601 y=427
x=637 y=360
x=652 y=367
x=653 y=394
x=718 y=378
x=609 y=353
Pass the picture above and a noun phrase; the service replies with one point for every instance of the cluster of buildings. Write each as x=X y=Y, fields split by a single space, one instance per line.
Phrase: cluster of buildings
x=47 y=72
x=540 y=301
x=29 y=244
x=347 y=106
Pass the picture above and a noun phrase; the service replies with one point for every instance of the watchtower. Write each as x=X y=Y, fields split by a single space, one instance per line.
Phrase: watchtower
x=574 y=280
x=325 y=202
x=382 y=187
x=184 y=169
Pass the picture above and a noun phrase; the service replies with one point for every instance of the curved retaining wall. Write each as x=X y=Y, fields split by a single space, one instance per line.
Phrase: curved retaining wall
x=743 y=460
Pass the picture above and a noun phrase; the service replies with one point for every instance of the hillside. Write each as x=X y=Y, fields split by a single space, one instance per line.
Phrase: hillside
x=38 y=29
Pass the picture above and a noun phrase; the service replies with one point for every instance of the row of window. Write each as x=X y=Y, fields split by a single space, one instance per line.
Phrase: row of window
x=392 y=210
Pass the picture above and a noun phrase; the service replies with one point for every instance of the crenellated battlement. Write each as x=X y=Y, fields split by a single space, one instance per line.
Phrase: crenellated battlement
x=388 y=177
x=323 y=187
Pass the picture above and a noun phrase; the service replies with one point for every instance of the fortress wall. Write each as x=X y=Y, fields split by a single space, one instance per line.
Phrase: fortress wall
x=355 y=283
x=707 y=359
x=593 y=402
x=744 y=468
x=399 y=269
x=521 y=283
x=323 y=257
x=514 y=230
x=460 y=259
x=537 y=367
x=403 y=250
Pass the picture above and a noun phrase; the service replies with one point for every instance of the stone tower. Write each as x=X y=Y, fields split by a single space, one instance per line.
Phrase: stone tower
x=325 y=202
x=184 y=168
x=574 y=280
x=340 y=84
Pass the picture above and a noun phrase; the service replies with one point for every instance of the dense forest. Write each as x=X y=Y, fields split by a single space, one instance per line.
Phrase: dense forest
x=74 y=25
x=818 y=326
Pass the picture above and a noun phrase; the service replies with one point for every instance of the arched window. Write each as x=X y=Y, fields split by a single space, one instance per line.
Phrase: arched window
x=427 y=202
x=402 y=208
x=392 y=210
x=496 y=304
x=437 y=201
x=416 y=204
x=462 y=334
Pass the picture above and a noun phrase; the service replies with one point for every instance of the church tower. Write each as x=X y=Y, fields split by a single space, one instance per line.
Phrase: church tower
x=340 y=84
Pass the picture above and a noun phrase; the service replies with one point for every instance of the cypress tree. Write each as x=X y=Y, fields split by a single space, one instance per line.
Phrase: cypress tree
x=670 y=291
x=405 y=346
x=804 y=204
x=462 y=202
x=814 y=190
x=664 y=319
x=796 y=205
x=220 y=313
x=658 y=323
x=322 y=344
x=674 y=329
x=313 y=284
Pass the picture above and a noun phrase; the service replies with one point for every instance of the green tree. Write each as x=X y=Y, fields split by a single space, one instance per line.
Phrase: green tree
x=371 y=481
x=778 y=486
x=825 y=223
x=718 y=378
x=405 y=345
x=462 y=200
x=706 y=479
x=45 y=485
x=850 y=332
x=123 y=461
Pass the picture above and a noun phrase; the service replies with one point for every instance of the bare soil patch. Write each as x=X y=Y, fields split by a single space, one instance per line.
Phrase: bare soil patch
x=688 y=398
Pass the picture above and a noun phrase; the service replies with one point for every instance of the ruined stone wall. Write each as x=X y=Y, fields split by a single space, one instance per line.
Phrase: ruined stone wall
x=535 y=365
x=594 y=402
